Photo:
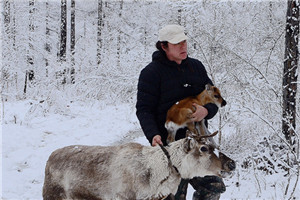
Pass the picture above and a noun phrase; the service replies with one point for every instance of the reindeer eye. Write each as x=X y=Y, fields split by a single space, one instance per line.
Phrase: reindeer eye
x=217 y=96
x=204 y=149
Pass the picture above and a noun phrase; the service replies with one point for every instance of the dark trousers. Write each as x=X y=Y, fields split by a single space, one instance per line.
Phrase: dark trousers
x=207 y=188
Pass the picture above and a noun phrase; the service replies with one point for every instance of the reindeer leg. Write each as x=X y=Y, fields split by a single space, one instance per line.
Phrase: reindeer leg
x=172 y=129
x=202 y=128
x=171 y=136
x=204 y=131
x=191 y=126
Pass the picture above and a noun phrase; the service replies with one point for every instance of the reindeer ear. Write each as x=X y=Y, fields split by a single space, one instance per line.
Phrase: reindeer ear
x=189 y=144
x=208 y=86
x=188 y=134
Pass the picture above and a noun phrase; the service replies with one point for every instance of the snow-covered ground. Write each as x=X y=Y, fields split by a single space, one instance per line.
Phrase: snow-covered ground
x=30 y=132
x=27 y=142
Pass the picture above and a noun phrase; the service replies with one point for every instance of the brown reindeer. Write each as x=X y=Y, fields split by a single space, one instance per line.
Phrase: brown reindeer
x=179 y=115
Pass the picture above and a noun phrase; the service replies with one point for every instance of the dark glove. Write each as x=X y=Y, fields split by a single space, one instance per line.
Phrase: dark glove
x=208 y=185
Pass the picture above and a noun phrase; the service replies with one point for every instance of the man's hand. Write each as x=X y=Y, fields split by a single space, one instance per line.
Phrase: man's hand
x=156 y=140
x=200 y=113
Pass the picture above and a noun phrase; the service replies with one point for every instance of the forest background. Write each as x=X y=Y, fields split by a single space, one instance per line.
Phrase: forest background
x=58 y=53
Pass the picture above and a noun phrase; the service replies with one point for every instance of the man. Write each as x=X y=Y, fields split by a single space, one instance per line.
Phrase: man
x=170 y=77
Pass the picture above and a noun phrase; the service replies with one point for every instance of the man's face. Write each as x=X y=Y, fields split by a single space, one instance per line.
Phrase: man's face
x=176 y=52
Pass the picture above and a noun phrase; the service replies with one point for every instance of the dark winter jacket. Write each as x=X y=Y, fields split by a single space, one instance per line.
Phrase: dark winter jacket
x=161 y=84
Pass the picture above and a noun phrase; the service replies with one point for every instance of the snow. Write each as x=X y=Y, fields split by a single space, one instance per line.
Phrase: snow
x=27 y=142
x=241 y=44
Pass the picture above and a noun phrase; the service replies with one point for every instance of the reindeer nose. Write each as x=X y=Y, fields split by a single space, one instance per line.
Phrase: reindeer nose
x=231 y=165
x=223 y=103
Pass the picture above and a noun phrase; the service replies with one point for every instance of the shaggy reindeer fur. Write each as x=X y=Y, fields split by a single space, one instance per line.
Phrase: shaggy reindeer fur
x=129 y=171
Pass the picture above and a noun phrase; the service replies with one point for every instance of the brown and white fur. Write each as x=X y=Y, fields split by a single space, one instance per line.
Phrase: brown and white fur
x=179 y=115
x=129 y=171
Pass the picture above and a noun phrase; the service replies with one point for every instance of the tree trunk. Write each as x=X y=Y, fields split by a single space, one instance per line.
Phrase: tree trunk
x=290 y=71
x=48 y=44
x=6 y=14
x=179 y=16
x=72 y=42
x=30 y=57
x=25 y=84
x=119 y=37
x=63 y=31
x=30 y=52
x=99 y=31
x=13 y=25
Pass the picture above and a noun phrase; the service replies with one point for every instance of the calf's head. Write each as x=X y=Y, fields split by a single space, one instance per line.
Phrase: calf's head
x=215 y=95
x=201 y=160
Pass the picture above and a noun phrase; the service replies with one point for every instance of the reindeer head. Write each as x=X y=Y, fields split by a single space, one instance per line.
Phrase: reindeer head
x=215 y=95
x=201 y=160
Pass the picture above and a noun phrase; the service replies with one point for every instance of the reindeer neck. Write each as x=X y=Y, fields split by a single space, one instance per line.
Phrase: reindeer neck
x=175 y=154
x=174 y=168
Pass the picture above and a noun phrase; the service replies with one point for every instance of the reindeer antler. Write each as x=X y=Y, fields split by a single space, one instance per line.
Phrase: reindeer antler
x=199 y=137
x=206 y=136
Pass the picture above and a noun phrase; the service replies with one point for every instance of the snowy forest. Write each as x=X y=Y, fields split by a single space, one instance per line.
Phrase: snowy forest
x=69 y=73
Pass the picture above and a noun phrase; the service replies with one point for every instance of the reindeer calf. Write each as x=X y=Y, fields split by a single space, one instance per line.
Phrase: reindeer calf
x=179 y=115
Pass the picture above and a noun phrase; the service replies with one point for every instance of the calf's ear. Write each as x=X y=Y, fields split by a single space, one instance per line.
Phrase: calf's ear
x=208 y=86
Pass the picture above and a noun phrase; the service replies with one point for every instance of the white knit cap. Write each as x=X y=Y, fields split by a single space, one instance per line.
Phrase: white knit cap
x=172 y=33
